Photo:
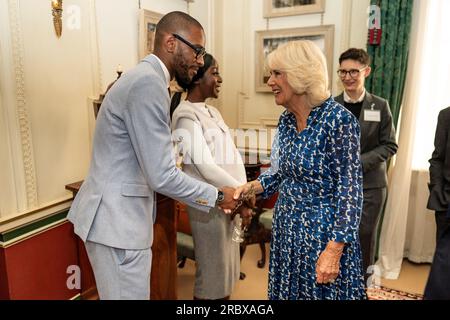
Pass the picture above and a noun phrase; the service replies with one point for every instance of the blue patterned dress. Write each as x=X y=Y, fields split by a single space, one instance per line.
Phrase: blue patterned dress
x=318 y=175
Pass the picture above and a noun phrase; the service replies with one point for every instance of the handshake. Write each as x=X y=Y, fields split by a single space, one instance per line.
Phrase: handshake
x=240 y=201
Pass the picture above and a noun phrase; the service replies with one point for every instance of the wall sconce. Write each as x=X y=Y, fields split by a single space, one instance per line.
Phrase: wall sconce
x=57 y=16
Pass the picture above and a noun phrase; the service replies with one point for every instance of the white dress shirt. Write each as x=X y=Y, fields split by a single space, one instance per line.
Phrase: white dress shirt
x=348 y=99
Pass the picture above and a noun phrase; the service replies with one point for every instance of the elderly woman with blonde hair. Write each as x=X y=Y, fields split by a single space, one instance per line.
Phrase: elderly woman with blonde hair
x=315 y=252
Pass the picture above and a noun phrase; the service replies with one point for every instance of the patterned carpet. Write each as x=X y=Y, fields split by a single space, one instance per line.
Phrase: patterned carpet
x=383 y=293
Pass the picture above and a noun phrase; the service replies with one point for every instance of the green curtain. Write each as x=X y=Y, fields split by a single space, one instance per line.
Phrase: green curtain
x=390 y=59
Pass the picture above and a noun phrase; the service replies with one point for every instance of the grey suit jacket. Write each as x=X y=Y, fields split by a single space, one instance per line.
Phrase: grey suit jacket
x=378 y=142
x=439 y=186
x=132 y=157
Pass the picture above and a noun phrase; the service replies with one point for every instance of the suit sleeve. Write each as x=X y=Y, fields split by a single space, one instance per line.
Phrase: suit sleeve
x=387 y=146
x=147 y=121
x=437 y=162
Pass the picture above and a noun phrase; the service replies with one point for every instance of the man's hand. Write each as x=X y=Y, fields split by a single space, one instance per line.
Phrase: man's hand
x=242 y=191
x=248 y=189
x=229 y=203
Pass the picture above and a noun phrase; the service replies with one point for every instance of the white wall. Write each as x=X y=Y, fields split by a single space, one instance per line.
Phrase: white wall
x=7 y=185
x=45 y=88
x=8 y=195
x=117 y=32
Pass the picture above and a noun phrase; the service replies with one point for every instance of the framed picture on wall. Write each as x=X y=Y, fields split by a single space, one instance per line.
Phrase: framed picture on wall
x=268 y=41
x=279 y=8
x=147 y=27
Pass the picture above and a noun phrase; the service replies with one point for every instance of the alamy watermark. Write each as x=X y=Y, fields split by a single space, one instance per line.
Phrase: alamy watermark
x=374 y=20
x=73 y=17
x=74 y=279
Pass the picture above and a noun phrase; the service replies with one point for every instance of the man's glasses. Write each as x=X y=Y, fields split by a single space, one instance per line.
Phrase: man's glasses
x=199 y=51
x=354 y=73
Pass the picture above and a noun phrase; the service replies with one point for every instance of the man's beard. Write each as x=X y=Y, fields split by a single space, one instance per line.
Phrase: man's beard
x=182 y=73
x=183 y=80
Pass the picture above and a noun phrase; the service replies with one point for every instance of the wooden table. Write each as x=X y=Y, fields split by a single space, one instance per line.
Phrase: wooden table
x=164 y=250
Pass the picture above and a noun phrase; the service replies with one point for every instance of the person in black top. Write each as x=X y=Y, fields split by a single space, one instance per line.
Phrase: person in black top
x=438 y=285
x=378 y=144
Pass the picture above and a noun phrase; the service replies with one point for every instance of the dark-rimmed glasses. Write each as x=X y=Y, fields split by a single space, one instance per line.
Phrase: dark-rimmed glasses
x=199 y=51
x=354 y=73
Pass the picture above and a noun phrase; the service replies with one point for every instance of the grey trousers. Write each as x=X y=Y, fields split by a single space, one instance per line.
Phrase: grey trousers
x=120 y=274
x=374 y=200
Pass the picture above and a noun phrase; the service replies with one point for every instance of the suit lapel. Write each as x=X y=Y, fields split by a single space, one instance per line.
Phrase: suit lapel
x=340 y=99
x=367 y=105
x=365 y=125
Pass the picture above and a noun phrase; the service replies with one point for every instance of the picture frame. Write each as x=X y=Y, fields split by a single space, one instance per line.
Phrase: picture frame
x=268 y=40
x=280 y=8
x=147 y=27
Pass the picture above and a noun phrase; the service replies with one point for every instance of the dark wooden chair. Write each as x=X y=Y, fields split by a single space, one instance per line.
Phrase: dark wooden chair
x=257 y=232
x=185 y=248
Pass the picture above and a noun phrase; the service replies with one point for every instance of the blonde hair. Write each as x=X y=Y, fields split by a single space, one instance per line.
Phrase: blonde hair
x=306 y=69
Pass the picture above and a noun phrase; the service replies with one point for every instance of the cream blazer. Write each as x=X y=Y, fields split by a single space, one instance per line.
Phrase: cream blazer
x=205 y=144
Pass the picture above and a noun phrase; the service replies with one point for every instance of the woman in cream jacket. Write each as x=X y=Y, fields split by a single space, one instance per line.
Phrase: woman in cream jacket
x=209 y=154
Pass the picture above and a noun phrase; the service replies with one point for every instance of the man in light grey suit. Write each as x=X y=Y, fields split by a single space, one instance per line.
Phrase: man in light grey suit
x=132 y=158
x=377 y=145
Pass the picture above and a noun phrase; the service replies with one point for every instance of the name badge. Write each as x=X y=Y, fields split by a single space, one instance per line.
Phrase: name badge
x=372 y=115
